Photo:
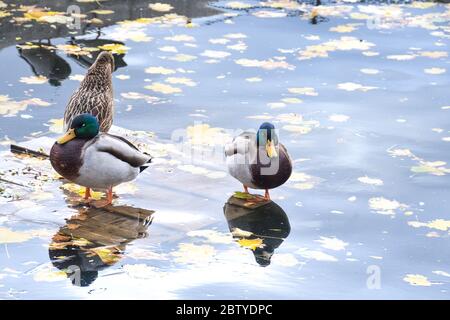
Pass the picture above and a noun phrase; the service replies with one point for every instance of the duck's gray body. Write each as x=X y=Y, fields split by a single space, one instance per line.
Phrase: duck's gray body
x=99 y=163
x=252 y=167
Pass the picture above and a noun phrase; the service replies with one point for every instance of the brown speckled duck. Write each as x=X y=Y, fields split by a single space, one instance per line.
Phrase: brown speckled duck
x=95 y=94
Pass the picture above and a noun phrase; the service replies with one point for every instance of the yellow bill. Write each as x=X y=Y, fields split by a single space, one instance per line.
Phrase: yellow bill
x=70 y=135
x=271 y=150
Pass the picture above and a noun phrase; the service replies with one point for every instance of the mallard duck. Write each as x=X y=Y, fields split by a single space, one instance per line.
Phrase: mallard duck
x=95 y=94
x=258 y=160
x=96 y=160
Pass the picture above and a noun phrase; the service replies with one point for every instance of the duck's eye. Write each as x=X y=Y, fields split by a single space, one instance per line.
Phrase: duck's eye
x=83 y=125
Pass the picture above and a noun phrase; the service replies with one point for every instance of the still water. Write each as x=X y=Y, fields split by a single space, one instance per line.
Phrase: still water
x=358 y=90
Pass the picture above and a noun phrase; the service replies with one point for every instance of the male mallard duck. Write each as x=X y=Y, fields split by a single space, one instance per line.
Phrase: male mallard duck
x=95 y=94
x=258 y=160
x=96 y=160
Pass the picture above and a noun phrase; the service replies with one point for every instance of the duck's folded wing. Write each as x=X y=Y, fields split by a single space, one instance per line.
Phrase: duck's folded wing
x=121 y=149
x=240 y=144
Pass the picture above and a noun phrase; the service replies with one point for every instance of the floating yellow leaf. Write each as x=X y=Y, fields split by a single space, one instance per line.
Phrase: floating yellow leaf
x=186 y=81
x=108 y=255
x=252 y=244
x=33 y=80
x=343 y=28
x=79 y=190
x=417 y=280
x=384 y=206
x=292 y=100
x=439 y=224
x=159 y=70
x=116 y=48
x=102 y=12
x=161 y=7
x=163 y=88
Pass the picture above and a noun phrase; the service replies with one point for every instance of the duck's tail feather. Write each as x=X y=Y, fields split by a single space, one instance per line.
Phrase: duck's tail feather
x=145 y=166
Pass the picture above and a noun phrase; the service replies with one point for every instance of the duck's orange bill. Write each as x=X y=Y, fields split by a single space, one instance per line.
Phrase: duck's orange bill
x=70 y=135
x=270 y=149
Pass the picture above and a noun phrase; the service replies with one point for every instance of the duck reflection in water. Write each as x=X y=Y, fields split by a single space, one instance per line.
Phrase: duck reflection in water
x=259 y=225
x=95 y=239
x=44 y=61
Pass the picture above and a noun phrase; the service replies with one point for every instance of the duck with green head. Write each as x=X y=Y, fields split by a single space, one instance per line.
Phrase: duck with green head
x=259 y=161
x=96 y=160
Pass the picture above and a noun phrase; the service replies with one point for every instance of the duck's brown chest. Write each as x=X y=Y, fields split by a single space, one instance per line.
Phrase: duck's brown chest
x=273 y=174
x=66 y=158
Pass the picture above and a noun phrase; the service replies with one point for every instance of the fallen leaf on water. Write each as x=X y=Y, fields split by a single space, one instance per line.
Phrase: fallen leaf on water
x=161 y=7
x=238 y=5
x=345 y=28
x=237 y=232
x=34 y=80
x=10 y=236
x=108 y=255
x=180 y=80
x=332 y=243
x=269 y=64
x=269 y=14
x=417 y=280
x=139 y=96
x=163 y=88
x=76 y=77
x=438 y=224
x=252 y=244
x=102 y=11
x=215 y=54
x=292 y=100
x=116 y=48
x=183 y=57
x=159 y=70
x=371 y=181
x=401 y=57
x=168 y=49
x=385 y=206
x=254 y=79
x=56 y=125
x=79 y=190
x=49 y=274
x=307 y=91
x=351 y=86
x=123 y=77
x=434 y=70
x=192 y=253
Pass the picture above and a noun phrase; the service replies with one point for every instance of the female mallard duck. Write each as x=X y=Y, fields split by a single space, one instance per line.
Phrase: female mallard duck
x=96 y=160
x=95 y=94
x=258 y=160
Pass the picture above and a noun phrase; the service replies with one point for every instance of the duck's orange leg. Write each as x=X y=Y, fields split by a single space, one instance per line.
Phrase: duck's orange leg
x=110 y=196
x=246 y=189
x=87 y=193
x=267 y=195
